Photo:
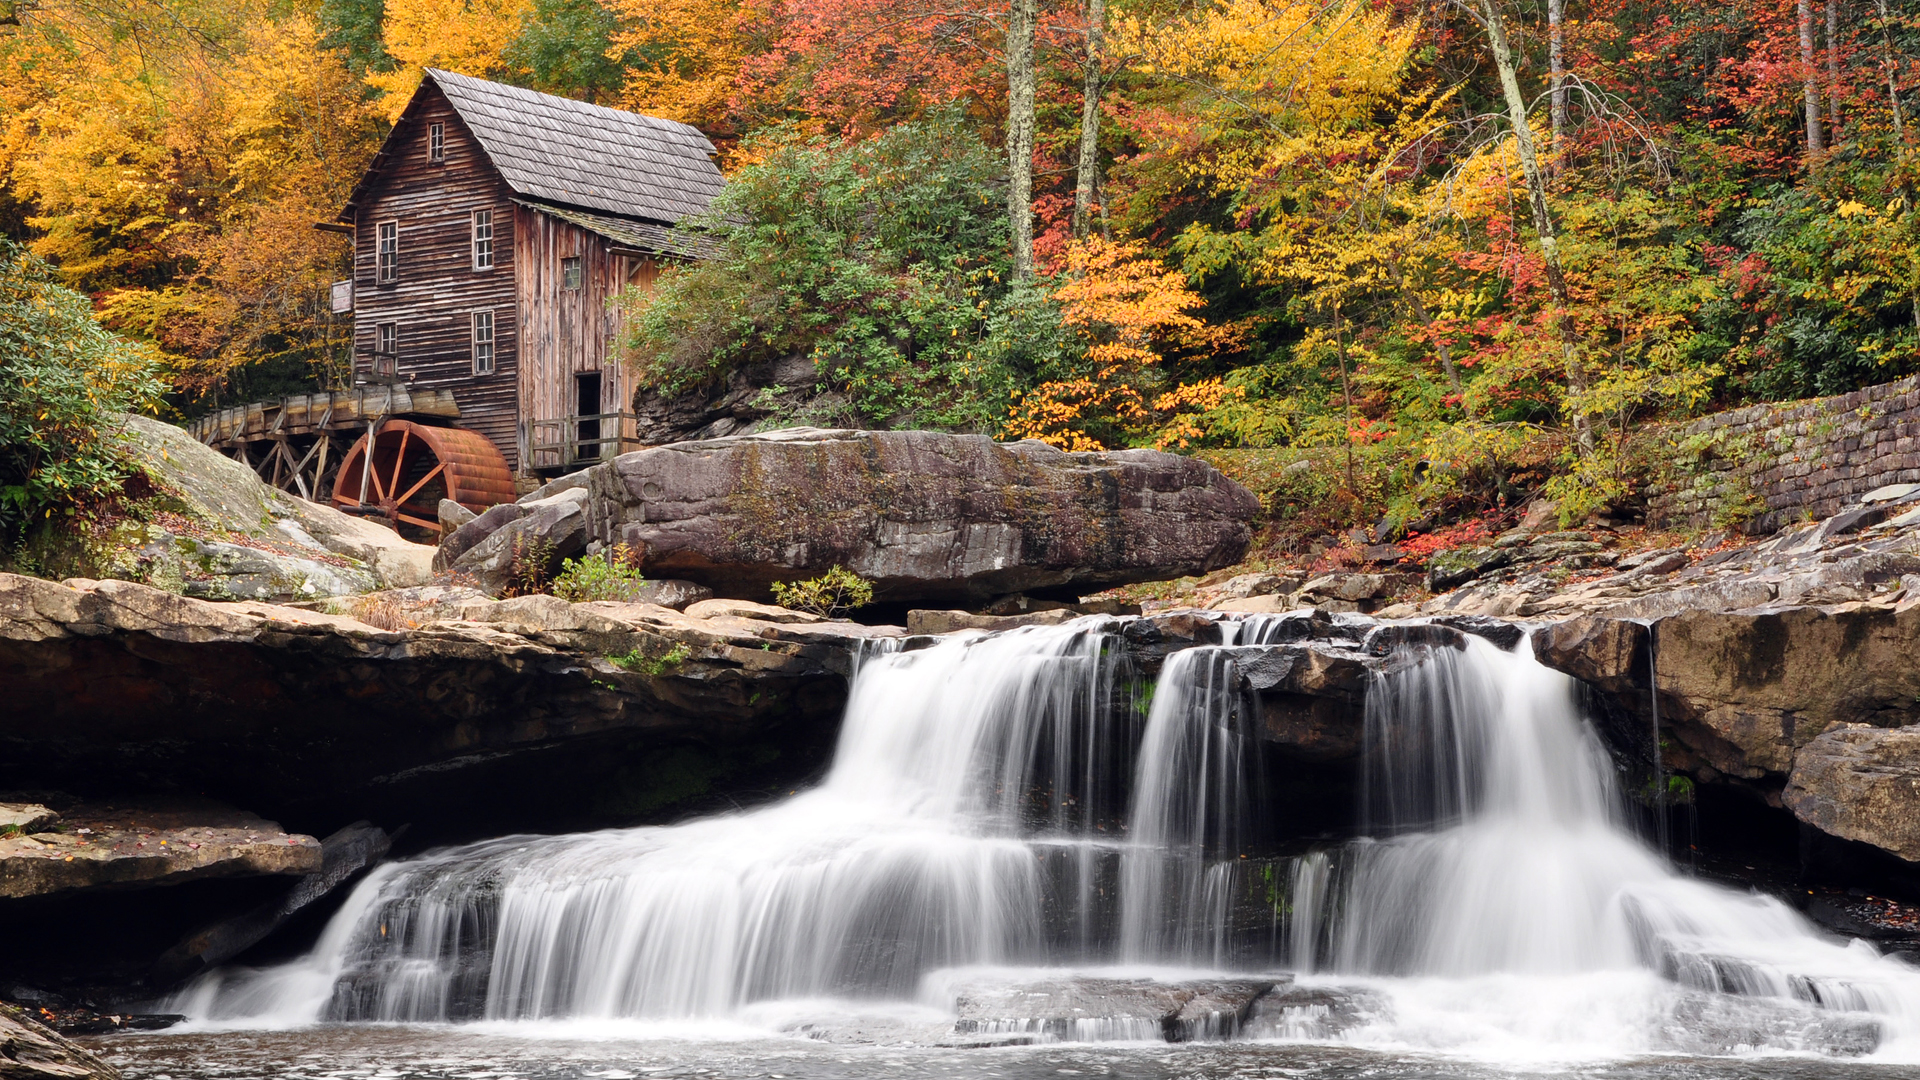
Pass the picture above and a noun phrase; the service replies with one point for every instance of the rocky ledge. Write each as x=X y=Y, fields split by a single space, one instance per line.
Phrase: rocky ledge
x=94 y=847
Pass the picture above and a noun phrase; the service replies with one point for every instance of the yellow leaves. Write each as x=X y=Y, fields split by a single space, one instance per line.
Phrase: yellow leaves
x=1279 y=83
x=464 y=36
x=692 y=51
x=1852 y=209
x=1129 y=308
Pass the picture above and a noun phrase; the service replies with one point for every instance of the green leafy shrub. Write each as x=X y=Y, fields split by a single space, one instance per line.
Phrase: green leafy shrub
x=613 y=574
x=883 y=260
x=65 y=382
x=638 y=662
x=835 y=592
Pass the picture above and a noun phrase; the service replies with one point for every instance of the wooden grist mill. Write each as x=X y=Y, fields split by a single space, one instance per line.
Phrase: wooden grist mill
x=492 y=235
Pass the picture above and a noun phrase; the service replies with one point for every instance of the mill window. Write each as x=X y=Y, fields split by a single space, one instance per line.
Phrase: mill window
x=436 y=142
x=389 y=251
x=386 y=342
x=570 y=273
x=483 y=343
x=483 y=239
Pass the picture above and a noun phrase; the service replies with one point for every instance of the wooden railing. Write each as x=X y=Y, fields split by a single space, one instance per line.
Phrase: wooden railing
x=561 y=444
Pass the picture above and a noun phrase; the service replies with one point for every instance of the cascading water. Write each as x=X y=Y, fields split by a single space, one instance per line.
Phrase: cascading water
x=1001 y=802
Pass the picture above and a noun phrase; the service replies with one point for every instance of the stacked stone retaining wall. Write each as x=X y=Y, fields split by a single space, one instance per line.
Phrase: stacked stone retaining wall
x=1764 y=467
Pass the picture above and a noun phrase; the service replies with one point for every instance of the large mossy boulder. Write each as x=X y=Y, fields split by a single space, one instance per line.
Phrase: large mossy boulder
x=926 y=516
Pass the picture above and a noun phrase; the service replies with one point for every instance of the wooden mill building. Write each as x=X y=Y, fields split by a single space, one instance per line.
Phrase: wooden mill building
x=490 y=235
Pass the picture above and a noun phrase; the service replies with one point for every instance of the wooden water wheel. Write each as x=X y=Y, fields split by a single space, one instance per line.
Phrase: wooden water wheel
x=413 y=467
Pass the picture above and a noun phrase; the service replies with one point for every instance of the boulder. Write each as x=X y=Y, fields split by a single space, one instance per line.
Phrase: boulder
x=1446 y=569
x=553 y=528
x=923 y=515
x=29 y=1050
x=215 y=570
x=671 y=592
x=452 y=515
x=1860 y=782
x=96 y=847
x=1091 y=1009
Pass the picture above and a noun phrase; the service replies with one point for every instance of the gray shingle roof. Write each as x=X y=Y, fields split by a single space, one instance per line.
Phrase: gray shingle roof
x=554 y=149
x=639 y=235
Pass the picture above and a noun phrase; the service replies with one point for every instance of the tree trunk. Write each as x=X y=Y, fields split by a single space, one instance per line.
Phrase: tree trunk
x=1020 y=90
x=1088 y=170
x=1893 y=84
x=1536 y=181
x=1833 y=70
x=1809 y=81
x=1557 y=70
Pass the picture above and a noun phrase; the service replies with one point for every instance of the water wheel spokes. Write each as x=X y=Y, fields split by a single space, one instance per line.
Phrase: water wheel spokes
x=410 y=467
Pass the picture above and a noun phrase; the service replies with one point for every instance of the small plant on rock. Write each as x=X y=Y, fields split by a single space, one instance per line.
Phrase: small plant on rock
x=835 y=592
x=531 y=569
x=613 y=574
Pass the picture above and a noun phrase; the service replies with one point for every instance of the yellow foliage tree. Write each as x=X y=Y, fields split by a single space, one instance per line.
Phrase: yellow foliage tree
x=1129 y=311
x=465 y=36
x=685 y=58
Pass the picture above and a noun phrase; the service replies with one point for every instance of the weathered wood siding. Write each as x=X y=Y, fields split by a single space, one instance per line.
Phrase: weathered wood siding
x=437 y=290
x=568 y=332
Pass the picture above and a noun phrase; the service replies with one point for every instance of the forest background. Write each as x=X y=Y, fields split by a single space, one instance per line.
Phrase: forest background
x=1452 y=254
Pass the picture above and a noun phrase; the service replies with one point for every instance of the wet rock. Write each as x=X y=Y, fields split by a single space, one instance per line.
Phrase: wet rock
x=1317 y=1013
x=342 y=856
x=923 y=515
x=98 y=847
x=29 y=1050
x=1861 y=783
x=1723 y=1024
x=1089 y=1009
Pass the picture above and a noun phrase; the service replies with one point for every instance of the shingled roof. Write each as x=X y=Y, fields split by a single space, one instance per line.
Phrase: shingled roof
x=557 y=150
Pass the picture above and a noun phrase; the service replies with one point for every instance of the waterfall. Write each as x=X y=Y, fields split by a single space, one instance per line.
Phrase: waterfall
x=1017 y=801
x=975 y=814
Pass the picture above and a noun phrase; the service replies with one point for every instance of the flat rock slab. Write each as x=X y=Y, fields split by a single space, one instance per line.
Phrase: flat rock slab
x=1091 y=1009
x=121 y=847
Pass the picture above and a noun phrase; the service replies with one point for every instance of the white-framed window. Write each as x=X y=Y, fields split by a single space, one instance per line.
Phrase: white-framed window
x=436 y=142
x=388 y=252
x=570 y=272
x=483 y=343
x=483 y=239
x=386 y=338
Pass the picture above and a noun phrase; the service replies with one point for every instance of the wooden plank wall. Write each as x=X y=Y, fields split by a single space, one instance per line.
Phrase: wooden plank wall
x=566 y=332
x=438 y=289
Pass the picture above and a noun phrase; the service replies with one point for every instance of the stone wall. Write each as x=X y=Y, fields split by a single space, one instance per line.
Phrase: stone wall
x=1764 y=467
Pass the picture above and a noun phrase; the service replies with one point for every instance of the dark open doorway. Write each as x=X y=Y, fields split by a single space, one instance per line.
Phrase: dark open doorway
x=587 y=384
